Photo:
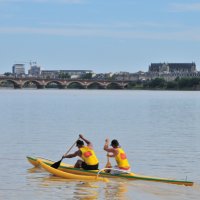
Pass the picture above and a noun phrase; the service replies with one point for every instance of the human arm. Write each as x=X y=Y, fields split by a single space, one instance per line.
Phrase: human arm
x=111 y=151
x=85 y=140
x=72 y=155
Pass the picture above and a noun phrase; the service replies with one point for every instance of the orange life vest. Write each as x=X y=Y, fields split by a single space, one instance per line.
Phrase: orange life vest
x=121 y=159
x=88 y=155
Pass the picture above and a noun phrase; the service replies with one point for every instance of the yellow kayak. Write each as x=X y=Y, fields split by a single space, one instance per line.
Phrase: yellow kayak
x=130 y=176
x=66 y=175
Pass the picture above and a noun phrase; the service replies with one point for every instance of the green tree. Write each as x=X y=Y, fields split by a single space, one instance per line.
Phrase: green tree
x=159 y=83
x=183 y=83
x=172 y=85
x=131 y=85
x=8 y=74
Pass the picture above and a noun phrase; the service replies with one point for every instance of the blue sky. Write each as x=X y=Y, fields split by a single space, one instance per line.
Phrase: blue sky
x=100 y=35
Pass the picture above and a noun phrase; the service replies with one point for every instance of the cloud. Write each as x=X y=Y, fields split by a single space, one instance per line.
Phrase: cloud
x=181 y=35
x=43 y=1
x=185 y=7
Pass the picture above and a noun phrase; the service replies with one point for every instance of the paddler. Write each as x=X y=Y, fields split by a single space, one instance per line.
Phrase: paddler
x=120 y=156
x=86 y=153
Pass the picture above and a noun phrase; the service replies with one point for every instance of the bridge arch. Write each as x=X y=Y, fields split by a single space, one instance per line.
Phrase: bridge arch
x=14 y=83
x=75 y=85
x=114 y=85
x=54 y=84
x=30 y=82
x=96 y=85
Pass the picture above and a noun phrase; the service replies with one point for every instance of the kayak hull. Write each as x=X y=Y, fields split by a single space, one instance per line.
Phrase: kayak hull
x=67 y=175
x=130 y=176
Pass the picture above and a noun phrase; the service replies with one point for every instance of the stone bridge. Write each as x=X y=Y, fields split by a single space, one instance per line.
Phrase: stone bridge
x=41 y=83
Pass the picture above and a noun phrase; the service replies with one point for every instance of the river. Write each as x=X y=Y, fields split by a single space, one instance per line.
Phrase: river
x=159 y=130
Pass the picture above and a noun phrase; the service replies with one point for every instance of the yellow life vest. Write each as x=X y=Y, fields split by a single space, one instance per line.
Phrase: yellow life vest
x=121 y=159
x=88 y=156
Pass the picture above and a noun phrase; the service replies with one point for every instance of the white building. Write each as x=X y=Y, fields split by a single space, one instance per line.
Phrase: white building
x=18 y=69
x=50 y=73
x=75 y=74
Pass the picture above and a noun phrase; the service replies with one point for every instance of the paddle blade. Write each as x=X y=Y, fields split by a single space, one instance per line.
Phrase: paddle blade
x=56 y=164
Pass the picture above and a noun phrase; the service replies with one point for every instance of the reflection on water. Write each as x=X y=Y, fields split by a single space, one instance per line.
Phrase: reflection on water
x=116 y=190
x=69 y=188
x=86 y=190
x=75 y=189
x=35 y=170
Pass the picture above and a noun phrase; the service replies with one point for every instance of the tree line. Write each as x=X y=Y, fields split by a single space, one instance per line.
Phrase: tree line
x=161 y=84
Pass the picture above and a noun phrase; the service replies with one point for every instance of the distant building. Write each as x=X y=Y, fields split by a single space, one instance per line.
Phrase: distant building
x=172 y=67
x=99 y=76
x=34 y=71
x=126 y=76
x=102 y=76
x=72 y=73
x=50 y=73
x=76 y=72
x=121 y=76
x=18 y=69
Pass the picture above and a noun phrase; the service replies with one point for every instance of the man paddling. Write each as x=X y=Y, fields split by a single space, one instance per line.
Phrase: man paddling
x=120 y=156
x=89 y=160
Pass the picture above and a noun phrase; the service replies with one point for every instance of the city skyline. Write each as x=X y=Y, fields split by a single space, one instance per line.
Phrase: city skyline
x=103 y=36
x=33 y=64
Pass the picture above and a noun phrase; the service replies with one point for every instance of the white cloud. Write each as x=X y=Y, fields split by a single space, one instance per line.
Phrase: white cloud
x=135 y=25
x=191 y=35
x=43 y=1
x=185 y=7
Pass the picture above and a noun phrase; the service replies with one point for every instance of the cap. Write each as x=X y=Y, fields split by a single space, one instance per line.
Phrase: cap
x=114 y=143
x=79 y=143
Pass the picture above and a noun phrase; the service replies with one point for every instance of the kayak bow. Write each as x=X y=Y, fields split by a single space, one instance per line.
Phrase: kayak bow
x=35 y=162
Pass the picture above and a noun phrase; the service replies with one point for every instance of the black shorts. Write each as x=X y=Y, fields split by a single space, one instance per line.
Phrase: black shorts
x=89 y=167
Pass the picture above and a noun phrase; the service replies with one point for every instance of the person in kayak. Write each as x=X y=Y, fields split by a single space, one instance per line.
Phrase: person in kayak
x=120 y=156
x=89 y=159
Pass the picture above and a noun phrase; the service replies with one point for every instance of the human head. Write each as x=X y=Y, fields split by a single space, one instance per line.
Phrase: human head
x=79 y=143
x=114 y=143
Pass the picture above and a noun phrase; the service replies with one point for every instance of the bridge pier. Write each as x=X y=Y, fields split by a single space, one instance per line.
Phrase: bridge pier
x=62 y=86
x=40 y=86
x=17 y=86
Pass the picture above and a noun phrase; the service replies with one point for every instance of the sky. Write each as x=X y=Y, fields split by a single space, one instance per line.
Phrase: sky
x=99 y=35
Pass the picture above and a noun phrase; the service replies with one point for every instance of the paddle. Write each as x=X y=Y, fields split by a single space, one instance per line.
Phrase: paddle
x=108 y=164
x=57 y=164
